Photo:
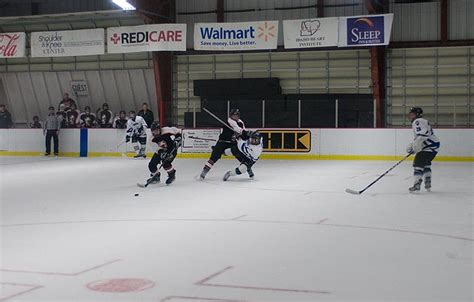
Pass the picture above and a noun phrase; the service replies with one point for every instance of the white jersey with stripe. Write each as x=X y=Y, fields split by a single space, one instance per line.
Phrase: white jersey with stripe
x=235 y=125
x=425 y=139
x=136 y=127
x=250 y=151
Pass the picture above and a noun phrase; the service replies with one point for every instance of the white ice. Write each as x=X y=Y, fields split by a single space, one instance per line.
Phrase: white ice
x=292 y=234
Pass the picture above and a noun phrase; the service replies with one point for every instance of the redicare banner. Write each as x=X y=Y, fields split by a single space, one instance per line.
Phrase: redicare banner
x=371 y=30
x=236 y=36
x=153 y=37
x=12 y=45
x=308 y=33
x=84 y=42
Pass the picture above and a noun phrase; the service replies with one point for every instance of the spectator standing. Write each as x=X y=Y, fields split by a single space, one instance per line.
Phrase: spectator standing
x=5 y=117
x=147 y=115
x=120 y=121
x=105 y=116
x=67 y=102
x=52 y=124
x=87 y=119
x=36 y=124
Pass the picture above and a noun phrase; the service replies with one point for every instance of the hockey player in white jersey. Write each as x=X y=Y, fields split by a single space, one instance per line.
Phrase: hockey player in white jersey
x=247 y=153
x=425 y=146
x=136 y=132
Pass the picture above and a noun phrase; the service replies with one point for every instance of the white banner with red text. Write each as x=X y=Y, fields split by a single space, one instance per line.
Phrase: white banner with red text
x=12 y=45
x=153 y=37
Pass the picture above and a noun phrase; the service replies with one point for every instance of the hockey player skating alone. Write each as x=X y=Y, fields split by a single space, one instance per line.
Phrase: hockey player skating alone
x=136 y=132
x=168 y=140
x=247 y=153
x=425 y=146
x=226 y=140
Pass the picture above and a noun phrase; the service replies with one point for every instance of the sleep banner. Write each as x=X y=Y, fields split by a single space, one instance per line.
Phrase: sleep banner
x=236 y=36
x=371 y=30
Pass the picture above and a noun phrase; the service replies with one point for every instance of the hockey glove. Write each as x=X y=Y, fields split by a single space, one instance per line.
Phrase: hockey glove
x=178 y=142
x=127 y=139
x=410 y=148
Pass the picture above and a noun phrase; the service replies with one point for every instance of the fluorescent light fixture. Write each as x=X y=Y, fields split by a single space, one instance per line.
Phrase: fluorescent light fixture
x=124 y=4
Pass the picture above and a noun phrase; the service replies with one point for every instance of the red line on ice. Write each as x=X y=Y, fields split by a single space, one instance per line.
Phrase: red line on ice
x=60 y=274
x=205 y=282
x=32 y=287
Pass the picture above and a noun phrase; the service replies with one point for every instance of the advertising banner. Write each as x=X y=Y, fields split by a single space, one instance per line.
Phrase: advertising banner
x=236 y=36
x=199 y=140
x=12 y=45
x=308 y=33
x=67 y=43
x=153 y=37
x=371 y=30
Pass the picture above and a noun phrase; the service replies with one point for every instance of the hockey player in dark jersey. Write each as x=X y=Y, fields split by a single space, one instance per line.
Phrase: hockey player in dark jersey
x=168 y=140
x=227 y=140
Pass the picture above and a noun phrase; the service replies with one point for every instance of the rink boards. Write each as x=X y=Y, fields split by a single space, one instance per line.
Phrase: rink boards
x=310 y=144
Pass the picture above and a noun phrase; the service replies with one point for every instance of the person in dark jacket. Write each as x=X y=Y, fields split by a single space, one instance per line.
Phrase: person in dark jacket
x=105 y=116
x=5 y=117
x=120 y=121
x=147 y=115
x=52 y=124
x=36 y=124
x=66 y=102
x=72 y=117
x=87 y=119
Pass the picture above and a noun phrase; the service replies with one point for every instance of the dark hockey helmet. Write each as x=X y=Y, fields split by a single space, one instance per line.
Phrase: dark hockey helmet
x=255 y=138
x=234 y=111
x=417 y=111
x=155 y=125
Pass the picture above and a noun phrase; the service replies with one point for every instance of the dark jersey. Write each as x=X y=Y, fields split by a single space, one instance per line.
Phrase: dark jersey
x=88 y=120
x=72 y=116
x=105 y=118
x=169 y=140
x=229 y=135
x=120 y=123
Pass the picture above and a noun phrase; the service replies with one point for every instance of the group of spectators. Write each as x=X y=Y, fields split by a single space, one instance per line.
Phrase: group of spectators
x=69 y=116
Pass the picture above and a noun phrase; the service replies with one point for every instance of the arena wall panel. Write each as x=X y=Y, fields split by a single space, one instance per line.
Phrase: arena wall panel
x=350 y=144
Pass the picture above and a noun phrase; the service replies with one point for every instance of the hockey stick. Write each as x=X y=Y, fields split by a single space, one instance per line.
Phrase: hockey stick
x=202 y=138
x=210 y=139
x=149 y=180
x=378 y=178
x=218 y=119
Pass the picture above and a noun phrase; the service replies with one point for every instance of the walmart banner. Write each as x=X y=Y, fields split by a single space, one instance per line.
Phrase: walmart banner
x=236 y=36
x=371 y=30
x=308 y=33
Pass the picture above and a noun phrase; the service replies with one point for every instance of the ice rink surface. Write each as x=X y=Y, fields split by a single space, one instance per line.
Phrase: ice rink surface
x=72 y=230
